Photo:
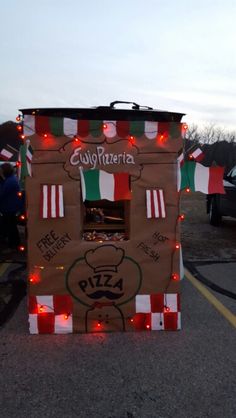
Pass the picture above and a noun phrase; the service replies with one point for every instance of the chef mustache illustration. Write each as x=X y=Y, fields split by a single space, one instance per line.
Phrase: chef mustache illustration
x=106 y=294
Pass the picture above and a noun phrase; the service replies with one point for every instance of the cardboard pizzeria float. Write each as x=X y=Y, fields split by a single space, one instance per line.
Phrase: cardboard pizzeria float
x=104 y=248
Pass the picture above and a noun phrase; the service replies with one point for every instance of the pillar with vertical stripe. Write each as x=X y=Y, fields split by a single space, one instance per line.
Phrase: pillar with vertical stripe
x=51 y=201
x=155 y=203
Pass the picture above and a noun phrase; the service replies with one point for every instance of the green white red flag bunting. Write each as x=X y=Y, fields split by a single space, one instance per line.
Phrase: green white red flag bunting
x=198 y=178
x=41 y=125
x=98 y=185
x=180 y=159
x=24 y=168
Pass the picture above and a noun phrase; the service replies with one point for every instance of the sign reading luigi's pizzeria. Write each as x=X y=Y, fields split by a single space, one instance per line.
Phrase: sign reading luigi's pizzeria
x=103 y=212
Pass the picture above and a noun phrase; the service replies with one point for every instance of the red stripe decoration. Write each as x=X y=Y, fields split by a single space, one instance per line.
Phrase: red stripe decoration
x=46 y=323
x=163 y=129
x=157 y=302
x=121 y=186
x=42 y=125
x=155 y=204
x=83 y=128
x=152 y=203
x=122 y=128
x=51 y=201
x=215 y=183
x=62 y=304
x=142 y=321
x=171 y=321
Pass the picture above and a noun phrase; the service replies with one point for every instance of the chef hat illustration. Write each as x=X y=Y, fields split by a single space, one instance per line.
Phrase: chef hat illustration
x=104 y=258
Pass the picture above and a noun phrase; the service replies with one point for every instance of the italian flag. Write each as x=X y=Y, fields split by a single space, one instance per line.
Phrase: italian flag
x=5 y=154
x=25 y=161
x=98 y=185
x=198 y=155
x=203 y=179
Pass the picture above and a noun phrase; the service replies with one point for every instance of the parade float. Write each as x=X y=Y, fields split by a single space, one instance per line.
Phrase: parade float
x=103 y=218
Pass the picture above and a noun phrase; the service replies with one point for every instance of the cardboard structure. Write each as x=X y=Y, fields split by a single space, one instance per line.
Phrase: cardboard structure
x=104 y=248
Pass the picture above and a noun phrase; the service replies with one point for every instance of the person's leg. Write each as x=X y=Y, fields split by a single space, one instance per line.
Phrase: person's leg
x=10 y=226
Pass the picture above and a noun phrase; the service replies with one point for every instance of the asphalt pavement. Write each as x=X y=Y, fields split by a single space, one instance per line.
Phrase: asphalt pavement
x=185 y=374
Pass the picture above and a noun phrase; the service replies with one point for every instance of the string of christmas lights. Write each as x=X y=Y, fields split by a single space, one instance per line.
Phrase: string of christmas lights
x=132 y=139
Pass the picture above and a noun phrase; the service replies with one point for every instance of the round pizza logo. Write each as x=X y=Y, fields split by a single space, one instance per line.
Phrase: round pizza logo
x=104 y=276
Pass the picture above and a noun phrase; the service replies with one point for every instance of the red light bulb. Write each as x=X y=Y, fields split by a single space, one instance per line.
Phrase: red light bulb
x=148 y=326
x=177 y=245
x=66 y=316
x=190 y=156
x=45 y=135
x=19 y=194
x=18 y=164
x=34 y=278
x=19 y=128
x=185 y=126
x=175 y=276
x=99 y=324
x=181 y=217
x=188 y=190
x=76 y=139
x=166 y=309
x=104 y=126
x=22 y=217
x=131 y=319
x=41 y=308
x=22 y=136
x=21 y=248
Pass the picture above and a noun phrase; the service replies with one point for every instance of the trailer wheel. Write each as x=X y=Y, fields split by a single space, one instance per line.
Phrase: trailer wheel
x=214 y=214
